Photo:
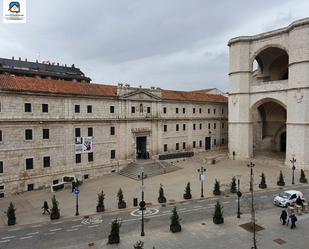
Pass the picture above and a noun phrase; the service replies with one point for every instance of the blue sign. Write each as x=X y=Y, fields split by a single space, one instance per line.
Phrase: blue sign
x=76 y=191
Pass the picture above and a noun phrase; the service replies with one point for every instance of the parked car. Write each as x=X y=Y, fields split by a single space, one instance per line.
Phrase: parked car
x=288 y=198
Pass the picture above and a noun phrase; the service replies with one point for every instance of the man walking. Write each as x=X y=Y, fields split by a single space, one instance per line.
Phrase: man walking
x=293 y=219
x=45 y=207
x=283 y=216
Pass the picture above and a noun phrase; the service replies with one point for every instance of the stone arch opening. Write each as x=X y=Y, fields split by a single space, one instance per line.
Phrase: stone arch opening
x=270 y=64
x=269 y=126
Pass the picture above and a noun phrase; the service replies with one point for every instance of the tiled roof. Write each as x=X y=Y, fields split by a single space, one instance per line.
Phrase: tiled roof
x=38 y=85
x=192 y=96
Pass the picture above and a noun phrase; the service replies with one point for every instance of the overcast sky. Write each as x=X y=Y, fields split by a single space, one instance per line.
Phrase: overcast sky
x=172 y=44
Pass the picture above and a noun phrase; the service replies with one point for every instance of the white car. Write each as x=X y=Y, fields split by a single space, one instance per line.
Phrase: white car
x=288 y=198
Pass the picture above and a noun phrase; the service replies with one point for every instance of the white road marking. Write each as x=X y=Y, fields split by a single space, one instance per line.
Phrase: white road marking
x=71 y=230
x=77 y=219
x=27 y=237
x=93 y=226
x=36 y=226
x=56 y=229
x=4 y=241
x=15 y=229
x=166 y=212
x=225 y=202
x=185 y=203
x=76 y=226
x=181 y=209
x=58 y=222
x=8 y=237
x=34 y=233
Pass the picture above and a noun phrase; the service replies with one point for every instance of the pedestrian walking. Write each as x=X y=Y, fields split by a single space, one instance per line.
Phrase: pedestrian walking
x=299 y=201
x=73 y=186
x=283 y=216
x=45 y=207
x=293 y=219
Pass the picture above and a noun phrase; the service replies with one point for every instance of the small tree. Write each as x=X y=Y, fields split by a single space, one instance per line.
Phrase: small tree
x=161 y=198
x=100 y=205
x=218 y=215
x=187 y=194
x=263 y=184
x=175 y=221
x=121 y=202
x=55 y=212
x=11 y=215
x=217 y=190
x=280 y=181
x=302 y=178
x=233 y=188
x=139 y=245
x=114 y=237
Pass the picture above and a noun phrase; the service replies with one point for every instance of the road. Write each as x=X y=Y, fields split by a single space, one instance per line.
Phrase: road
x=68 y=232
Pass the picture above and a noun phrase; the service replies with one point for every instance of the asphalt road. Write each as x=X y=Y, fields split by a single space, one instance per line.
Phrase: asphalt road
x=68 y=232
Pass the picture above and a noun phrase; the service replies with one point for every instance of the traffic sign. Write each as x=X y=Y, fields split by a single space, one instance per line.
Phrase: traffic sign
x=76 y=191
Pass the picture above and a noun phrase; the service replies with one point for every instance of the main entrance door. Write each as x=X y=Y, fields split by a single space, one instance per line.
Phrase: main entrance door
x=207 y=143
x=141 y=151
x=283 y=142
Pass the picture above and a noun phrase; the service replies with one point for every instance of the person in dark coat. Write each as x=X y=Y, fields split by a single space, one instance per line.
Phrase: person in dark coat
x=293 y=219
x=73 y=186
x=283 y=216
x=45 y=207
x=299 y=201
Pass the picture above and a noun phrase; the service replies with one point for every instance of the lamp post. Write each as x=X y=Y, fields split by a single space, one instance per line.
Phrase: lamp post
x=239 y=194
x=142 y=204
x=76 y=192
x=251 y=165
x=293 y=161
x=202 y=178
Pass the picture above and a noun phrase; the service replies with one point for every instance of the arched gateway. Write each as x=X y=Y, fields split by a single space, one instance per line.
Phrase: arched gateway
x=269 y=93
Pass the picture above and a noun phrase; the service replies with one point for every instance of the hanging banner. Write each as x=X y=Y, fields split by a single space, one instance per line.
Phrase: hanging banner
x=14 y=11
x=83 y=145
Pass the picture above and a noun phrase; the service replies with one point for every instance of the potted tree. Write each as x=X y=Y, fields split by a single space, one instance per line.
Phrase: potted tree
x=100 y=205
x=11 y=215
x=55 y=212
x=280 y=181
x=161 y=198
x=263 y=184
x=217 y=190
x=218 y=215
x=233 y=188
x=302 y=178
x=175 y=225
x=187 y=195
x=121 y=202
x=113 y=237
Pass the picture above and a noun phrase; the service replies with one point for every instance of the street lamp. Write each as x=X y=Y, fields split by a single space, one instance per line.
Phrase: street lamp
x=293 y=161
x=202 y=178
x=142 y=204
x=76 y=192
x=239 y=194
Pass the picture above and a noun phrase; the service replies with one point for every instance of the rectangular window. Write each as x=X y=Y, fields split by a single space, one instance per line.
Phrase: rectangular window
x=78 y=158
x=214 y=111
x=90 y=157
x=90 y=131
x=46 y=161
x=222 y=141
x=89 y=108
x=208 y=125
x=44 y=107
x=200 y=126
x=184 y=127
x=184 y=145
x=112 y=130
x=28 y=107
x=56 y=181
x=28 y=134
x=164 y=110
x=1 y=167
x=215 y=125
x=29 y=163
x=77 y=132
x=1 y=195
x=165 y=147
x=1 y=187
x=165 y=128
x=193 y=110
x=183 y=110
x=177 y=146
x=148 y=109
x=30 y=187
x=77 y=108
x=194 y=126
x=112 y=109
x=177 y=110
x=86 y=176
x=222 y=111
x=113 y=154
x=200 y=143
x=215 y=141
x=208 y=110
x=132 y=109
x=45 y=133
x=177 y=127
x=200 y=110
x=222 y=125
x=0 y=135
x=194 y=144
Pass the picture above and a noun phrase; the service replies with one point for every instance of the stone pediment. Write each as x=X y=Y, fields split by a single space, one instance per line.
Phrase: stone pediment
x=141 y=95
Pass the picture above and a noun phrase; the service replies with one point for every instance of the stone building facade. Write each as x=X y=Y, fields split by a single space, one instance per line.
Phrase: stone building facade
x=269 y=93
x=41 y=120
